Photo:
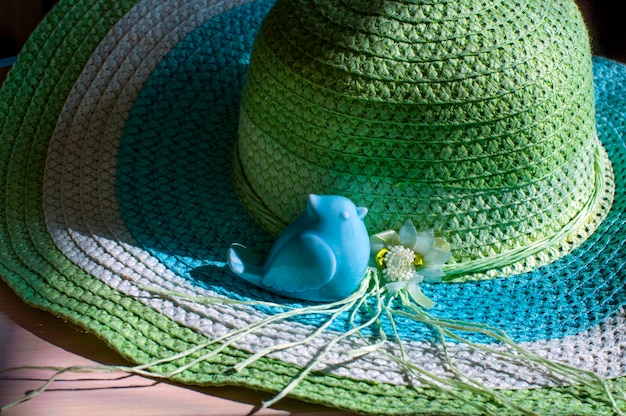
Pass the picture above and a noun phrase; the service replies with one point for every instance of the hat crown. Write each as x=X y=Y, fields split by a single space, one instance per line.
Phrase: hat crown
x=474 y=118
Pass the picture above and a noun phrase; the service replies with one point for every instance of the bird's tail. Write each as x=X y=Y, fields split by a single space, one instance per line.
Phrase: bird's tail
x=245 y=264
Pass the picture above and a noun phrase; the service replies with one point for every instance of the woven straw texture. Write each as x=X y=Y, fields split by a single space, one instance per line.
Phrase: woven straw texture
x=463 y=116
x=118 y=123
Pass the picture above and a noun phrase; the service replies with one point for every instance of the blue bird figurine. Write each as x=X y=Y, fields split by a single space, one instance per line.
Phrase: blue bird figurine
x=321 y=256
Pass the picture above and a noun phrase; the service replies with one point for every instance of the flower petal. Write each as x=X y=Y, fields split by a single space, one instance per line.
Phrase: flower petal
x=376 y=245
x=417 y=295
x=442 y=244
x=395 y=287
x=436 y=257
x=408 y=234
x=383 y=239
x=431 y=274
x=424 y=242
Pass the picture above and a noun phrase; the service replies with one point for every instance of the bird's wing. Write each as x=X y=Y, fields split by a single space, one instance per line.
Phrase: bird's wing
x=305 y=262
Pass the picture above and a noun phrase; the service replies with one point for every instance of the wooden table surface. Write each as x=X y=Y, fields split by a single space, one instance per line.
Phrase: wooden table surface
x=31 y=337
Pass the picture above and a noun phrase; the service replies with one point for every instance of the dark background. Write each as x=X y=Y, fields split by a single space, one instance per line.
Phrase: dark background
x=18 y=18
x=606 y=20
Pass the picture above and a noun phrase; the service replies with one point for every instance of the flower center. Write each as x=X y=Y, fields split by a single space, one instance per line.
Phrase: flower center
x=398 y=262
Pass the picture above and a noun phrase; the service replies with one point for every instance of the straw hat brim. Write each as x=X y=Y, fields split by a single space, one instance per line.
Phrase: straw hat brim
x=117 y=127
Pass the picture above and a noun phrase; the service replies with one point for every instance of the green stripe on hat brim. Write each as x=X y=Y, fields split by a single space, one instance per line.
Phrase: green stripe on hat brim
x=30 y=103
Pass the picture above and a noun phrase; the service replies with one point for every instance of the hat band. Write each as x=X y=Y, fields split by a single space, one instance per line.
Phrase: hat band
x=576 y=231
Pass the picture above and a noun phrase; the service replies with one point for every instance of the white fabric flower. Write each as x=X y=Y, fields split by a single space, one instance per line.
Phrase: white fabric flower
x=408 y=258
x=433 y=251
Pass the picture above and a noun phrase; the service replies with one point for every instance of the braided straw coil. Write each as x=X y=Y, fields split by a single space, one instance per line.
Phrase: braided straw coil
x=467 y=117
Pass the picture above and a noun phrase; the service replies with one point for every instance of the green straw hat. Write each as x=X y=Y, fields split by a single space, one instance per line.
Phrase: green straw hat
x=139 y=140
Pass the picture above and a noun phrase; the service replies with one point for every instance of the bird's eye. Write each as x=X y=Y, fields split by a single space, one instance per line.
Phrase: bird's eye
x=345 y=215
